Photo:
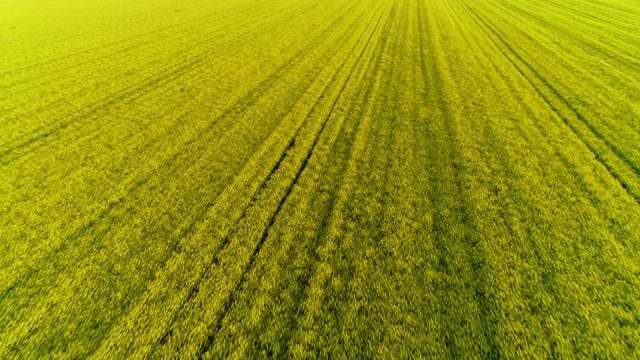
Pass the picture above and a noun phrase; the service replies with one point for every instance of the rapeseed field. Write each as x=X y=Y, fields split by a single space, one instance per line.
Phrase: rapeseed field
x=320 y=179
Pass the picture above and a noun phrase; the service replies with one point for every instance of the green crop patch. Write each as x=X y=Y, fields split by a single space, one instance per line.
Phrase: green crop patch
x=320 y=179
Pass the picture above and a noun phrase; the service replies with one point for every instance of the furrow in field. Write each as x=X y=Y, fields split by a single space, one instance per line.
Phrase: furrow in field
x=344 y=179
x=609 y=79
x=288 y=250
x=225 y=219
x=205 y=346
x=624 y=9
x=283 y=251
x=478 y=165
x=249 y=228
x=620 y=56
x=372 y=292
x=427 y=147
x=195 y=143
x=623 y=19
x=611 y=44
x=610 y=87
x=500 y=219
x=102 y=50
x=601 y=90
x=357 y=251
x=105 y=215
x=464 y=144
x=331 y=275
x=138 y=254
x=612 y=158
x=131 y=67
x=132 y=91
x=127 y=69
x=554 y=295
x=537 y=111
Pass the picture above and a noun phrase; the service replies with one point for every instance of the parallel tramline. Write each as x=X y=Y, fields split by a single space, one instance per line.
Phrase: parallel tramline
x=342 y=179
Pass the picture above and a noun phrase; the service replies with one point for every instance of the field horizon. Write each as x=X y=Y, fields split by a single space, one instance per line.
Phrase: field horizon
x=320 y=179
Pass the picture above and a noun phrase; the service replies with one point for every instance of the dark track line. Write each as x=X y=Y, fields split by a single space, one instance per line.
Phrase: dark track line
x=311 y=251
x=541 y=129
x=230 y=300
x=119 y=65
x=130 y=93
x=607 y=52
x=566 y=121
x=228 y=237
x=471 y=245
x=273 y=77
x=117 y=42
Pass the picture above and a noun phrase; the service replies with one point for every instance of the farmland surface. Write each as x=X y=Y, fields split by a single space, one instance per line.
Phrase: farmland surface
x=313 y=178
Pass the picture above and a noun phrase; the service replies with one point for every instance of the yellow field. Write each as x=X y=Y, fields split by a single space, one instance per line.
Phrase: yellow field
x=320 y=179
